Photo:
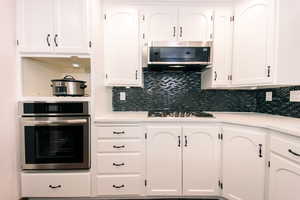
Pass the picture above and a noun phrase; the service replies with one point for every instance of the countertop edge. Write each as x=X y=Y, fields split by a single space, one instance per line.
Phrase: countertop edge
x=221 y=119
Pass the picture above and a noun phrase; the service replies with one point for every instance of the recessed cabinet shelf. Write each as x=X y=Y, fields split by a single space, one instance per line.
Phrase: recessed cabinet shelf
x=37 y=73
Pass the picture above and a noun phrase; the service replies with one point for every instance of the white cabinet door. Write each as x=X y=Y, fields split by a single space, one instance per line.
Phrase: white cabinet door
x=195 y=24
x=164 y=160
x=201 y=154
x=161 y=24
x=243 y=164
x=70 y=34
x=222 y=56
x=253 y=42
x=35 y=21
x=284 y=179
x=219 y=75
x=121 y=47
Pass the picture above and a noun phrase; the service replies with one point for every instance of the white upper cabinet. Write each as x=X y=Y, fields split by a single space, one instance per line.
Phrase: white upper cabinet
x=219 y=75
x=195 y=24
x=243 y=163
x=122 y=56
x=35 y=25
x=201 y=155
x=178 y=24
x=161 y=24
x=253 y=42
x=164 y=160
x=284 y=179
x=71 y=26
x=53 y=26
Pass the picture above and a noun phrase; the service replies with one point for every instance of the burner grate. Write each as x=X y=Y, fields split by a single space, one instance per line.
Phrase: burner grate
x=183 y=114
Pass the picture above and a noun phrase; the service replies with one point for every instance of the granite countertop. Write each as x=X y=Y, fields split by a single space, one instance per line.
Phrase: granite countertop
x=288 y=125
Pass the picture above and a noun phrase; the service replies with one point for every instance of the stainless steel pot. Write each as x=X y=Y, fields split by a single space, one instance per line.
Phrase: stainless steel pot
x=68 y=86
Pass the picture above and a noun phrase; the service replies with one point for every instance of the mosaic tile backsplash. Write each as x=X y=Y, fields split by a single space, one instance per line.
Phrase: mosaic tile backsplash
x=182 y=91
x=280 y=104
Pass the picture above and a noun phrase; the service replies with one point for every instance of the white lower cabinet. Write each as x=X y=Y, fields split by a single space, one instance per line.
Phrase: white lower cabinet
x=201 y=155
x=164 y=160
x=284 y=169
x=183 y=160
x=244 y=163
x=55 y=184
x=120 y=161
x=284 y=179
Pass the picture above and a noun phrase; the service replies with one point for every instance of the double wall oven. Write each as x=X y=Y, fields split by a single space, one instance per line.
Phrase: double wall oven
x=55 y=135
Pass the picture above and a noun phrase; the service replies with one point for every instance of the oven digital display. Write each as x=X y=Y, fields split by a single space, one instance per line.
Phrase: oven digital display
x=45 y=108
x=53 y=108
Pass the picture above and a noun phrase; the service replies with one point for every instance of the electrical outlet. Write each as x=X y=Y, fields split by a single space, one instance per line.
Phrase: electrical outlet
x=123 y=96
x=295 y=96
x=269 y=96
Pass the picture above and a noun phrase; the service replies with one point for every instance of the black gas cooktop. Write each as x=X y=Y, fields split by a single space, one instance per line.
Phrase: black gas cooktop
x=182 y=114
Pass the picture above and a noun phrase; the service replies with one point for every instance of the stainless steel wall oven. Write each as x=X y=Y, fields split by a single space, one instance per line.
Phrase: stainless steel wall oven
x=55 y=135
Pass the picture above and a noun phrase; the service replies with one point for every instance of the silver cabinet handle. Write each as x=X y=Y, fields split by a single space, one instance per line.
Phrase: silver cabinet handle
x=179 y=141
x=216 y=75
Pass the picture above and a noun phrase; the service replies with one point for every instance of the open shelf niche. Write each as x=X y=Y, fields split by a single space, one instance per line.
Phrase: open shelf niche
x=37 y=73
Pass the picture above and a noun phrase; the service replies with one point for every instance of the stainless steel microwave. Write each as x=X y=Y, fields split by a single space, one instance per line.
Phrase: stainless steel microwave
x=178 y=53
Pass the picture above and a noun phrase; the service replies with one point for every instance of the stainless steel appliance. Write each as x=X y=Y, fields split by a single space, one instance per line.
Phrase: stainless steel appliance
x=178 y=54
x=55 y=135
x=68 y=86
x=178 y=114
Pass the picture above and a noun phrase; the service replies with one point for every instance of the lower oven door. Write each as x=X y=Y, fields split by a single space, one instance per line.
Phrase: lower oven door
x=56 y=143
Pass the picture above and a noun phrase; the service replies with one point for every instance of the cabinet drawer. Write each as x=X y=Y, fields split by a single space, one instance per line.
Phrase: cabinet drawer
x=55 y=185
x=287 y=148
x=119 y=132
x=114 y=146
x=119 y=163
x=119 y=185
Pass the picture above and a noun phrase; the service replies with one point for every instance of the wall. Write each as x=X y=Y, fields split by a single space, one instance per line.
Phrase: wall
x=181 y=91
x=8 y=175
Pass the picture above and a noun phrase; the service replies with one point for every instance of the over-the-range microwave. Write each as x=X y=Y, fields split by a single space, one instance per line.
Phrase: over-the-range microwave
x=177 y=54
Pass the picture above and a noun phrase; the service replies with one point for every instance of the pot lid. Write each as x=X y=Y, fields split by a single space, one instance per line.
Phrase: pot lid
x=68 y=78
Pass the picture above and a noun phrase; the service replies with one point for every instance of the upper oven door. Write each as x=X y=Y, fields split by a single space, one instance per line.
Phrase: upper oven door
x=55 y=143
x=192 y=53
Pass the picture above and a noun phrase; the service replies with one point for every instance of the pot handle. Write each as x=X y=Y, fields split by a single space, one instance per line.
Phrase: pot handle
x=69 y=77
x=83 y=86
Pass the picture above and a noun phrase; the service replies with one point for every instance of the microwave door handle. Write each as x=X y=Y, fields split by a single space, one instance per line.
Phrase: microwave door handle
x=56 y=122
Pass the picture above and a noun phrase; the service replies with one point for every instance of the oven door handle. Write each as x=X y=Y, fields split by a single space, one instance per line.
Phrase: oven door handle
x=55 y=123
